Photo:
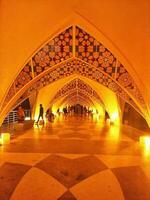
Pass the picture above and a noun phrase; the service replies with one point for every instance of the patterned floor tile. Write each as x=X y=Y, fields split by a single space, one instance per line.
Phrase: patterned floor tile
x=114 y=161
x=133 y=149
x=10 y=175
x=73 y=156
x=67 y=196
x=134 y=183
x=75 y=153
x=71 y=146
x=42 y=136
x=70 y=172
x=23 y=158
x=101 y=186
x=95 y=137
x=146 y=169
x=74 y=135
x=37 y=185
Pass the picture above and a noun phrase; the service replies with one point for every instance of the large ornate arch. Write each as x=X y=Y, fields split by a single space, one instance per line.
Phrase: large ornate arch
x=74 y=51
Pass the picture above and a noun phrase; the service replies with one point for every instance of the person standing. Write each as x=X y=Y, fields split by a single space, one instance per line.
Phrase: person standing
x=21 y=114
x=41 y=112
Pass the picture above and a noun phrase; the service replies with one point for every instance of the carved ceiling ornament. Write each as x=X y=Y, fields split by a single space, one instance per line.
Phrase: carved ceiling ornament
x=56 y=59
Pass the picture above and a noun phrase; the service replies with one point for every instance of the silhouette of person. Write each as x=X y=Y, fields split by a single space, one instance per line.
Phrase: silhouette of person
x=21 y=114
x=41 y=112
x=106 y=115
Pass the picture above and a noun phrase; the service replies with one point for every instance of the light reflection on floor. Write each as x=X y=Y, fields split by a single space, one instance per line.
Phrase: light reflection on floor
x=75 y=157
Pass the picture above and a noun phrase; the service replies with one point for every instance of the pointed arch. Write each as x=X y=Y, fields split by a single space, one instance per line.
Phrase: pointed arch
x=74 y=51
x=79 y=86
x=75 y=96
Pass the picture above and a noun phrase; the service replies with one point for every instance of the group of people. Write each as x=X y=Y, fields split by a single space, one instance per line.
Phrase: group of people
x=50 y=116
x=76 y=109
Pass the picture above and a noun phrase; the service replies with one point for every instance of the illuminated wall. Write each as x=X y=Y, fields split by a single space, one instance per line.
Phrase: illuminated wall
x=23 y=30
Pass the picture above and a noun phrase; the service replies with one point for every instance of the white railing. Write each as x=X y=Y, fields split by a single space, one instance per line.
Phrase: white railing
x=12 y=117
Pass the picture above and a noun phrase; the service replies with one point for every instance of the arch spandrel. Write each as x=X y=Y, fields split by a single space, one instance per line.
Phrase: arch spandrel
x=55 y=51
x=93 y=60
x=93 y=52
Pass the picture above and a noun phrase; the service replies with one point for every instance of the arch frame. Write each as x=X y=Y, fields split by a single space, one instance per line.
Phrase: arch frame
x=74 y=20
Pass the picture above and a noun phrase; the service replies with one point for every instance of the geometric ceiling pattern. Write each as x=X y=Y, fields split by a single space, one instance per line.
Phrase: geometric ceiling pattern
x=76 y=66
x=77 y=97
x=74 y=51
x=93 y=52
x=77 y=100
x=80 y=87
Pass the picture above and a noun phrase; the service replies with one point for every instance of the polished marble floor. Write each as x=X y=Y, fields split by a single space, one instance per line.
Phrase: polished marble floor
x=75 y=158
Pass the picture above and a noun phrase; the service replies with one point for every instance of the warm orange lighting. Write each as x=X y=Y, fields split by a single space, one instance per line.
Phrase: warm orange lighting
x=145 y=140
x=96 y=117
x=114 y=118
x=145 y=143
x=5 y=138
x=108 y=121
x=93 y=111
x=61 y=110
x=27 y=118
x=114 y=133
x=113 y=137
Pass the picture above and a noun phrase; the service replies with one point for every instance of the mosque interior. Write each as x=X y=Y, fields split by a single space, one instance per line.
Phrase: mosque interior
x=74 y=100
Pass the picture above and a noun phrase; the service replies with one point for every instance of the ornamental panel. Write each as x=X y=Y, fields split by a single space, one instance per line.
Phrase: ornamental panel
x=24 y=77
x=76 y=66
x=55 y=51
x=93 y=52
x=93 y=60
x=77 y=85
x=125 y=80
